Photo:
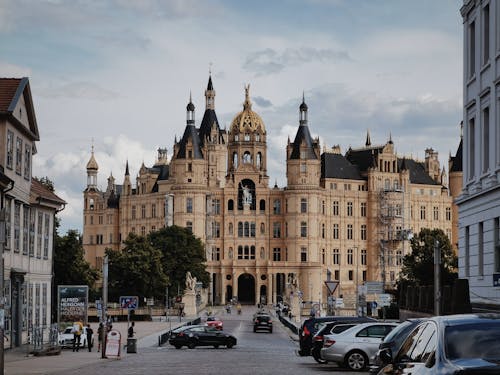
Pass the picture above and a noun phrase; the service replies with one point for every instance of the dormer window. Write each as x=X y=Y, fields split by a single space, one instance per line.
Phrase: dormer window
x=257 y=137
x=236 y=138
x=247 y=137
x=190 y=154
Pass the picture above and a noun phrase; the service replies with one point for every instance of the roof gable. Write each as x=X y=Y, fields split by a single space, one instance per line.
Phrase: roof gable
x=17 y=103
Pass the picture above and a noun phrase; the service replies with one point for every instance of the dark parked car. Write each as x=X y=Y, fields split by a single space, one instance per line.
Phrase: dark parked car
x=449 y=345
x=201 y=336
x=311 y=325
x=393 y=341
x=326 y=329
x=263 y=321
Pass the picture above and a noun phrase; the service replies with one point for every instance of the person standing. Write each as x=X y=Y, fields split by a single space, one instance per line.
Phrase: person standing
x=77 y=334
x=131 y=330
x=99 y=336
x=90 y=332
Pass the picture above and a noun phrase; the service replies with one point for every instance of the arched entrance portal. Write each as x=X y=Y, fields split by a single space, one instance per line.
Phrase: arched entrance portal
x=246 y=289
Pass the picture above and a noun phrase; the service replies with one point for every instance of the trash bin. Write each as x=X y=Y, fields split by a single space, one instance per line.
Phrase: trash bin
x=131 y=345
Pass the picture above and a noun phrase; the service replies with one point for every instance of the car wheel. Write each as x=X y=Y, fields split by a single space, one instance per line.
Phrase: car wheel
x=317 y=356
x=356 y=360
x=178 y=346
x=271 y=330
x=216 y=346
x=254 y=329
x=191 y=345
x=230 y=344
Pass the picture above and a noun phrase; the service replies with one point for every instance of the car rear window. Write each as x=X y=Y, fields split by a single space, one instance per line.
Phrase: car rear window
x=474 y=340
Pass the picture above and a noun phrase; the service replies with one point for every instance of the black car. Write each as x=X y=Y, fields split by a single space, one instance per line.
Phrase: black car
x=310 y=326
x=326 y=329
x=393 y=341
x=463 y=344
x=201 y=336
x=263 y=321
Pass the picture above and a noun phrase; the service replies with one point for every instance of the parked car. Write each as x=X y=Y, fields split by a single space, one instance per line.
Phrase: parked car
x=449 y=345
x=355 y=348
x=393 y=341
x=310 y=326
x=66 y=338
x=263 y=321
x=201 y=336
x=326 y=329
x=212 y=321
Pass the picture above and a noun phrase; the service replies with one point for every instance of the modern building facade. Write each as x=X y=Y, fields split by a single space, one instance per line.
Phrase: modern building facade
x=343 y=217
x=479 y=203
x=29 y=209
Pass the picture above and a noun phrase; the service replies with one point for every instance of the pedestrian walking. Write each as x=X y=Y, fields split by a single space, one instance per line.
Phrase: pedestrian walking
x=90 y=332
x=77 y=334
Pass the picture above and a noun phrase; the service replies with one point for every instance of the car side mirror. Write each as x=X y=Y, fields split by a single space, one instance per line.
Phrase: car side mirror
x=386 y=356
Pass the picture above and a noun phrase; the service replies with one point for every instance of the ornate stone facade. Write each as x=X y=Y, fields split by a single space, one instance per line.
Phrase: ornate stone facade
x=340 y=217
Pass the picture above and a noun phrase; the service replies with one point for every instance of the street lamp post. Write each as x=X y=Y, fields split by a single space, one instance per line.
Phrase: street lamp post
x=104 y=304
x=437 y=279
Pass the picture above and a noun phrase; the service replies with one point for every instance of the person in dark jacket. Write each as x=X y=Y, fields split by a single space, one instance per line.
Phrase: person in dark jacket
x=90 y=332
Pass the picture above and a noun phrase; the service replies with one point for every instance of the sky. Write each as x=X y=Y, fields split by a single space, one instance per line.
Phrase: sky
x=117 y=74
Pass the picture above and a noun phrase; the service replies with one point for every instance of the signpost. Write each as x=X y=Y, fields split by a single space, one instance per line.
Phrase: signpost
x=129 y=303
x=374 y=287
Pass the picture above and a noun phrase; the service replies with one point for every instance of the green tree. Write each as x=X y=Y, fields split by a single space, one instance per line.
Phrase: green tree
x=70 y=266
x=181 y=252
x=136 y=270
x=418 y=267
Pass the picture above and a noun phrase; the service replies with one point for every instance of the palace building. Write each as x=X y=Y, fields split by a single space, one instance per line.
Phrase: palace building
x=341 y=217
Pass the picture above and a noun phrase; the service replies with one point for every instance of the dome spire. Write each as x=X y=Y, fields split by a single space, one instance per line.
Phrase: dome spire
x=210 y=92
x=248 y=103
x=303 y=111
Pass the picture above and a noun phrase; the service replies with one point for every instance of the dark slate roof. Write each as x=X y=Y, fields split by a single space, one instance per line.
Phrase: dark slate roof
x=418 y=175
x=457 y=161
x=337 y=166
x=190 y=133
x=209 y=117
x=303 y=135
x=113 y=200
x=363 y=158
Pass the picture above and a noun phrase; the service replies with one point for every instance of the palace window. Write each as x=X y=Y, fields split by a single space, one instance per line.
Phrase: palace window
x=276 y=254
x=351 y=275
x=189 y=205
x=303 y=229
x=323 y=230
x=350 y=256
x=230 y=205
x=276 y=230
x=422 y=212
x=27 y=161
x=153 y=210
x=19 y=155
x=349 y=208
x=349 y=231
x=363 y=257
x=336 y=256
x=303 y=205
x=363 y=231
x=435 y=212
x=448 y=213
x=335 y=208
x=10 y=149
x=230 y=229
x=246 y=252
x=303 y=254
x=335 y=231
x=216 y=206
x=143 y=211
x=133 y=212
x=363 y=209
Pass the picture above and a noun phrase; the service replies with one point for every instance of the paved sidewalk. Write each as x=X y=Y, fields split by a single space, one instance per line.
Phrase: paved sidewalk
x=17 y=362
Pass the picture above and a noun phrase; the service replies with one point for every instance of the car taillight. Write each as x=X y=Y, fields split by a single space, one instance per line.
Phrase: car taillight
x=318 y=338
x=180 y=334
x=305 y=332
x=256 y=320
x=328 y=343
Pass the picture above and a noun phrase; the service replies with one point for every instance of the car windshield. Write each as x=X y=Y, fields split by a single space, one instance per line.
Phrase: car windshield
x=474 y=340
x=67 y=330
x=211 y=319
x=399 y=334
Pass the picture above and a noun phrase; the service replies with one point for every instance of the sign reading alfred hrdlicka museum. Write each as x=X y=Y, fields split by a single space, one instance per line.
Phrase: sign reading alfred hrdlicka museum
x=72 y=303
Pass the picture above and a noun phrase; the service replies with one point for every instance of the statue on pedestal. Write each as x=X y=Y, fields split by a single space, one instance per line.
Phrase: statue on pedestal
x=190 y=282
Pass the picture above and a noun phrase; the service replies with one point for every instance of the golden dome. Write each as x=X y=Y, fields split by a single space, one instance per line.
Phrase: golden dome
x=92 y=164
x=247 y=120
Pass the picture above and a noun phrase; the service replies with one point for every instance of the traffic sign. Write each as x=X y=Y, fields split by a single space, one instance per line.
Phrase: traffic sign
x=374 y=287
x=331 y=285
x=129 y=302
x=384 y=299
x=339 y=302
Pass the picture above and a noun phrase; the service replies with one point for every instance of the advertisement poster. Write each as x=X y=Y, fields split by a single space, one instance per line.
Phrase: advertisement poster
x=72 y=303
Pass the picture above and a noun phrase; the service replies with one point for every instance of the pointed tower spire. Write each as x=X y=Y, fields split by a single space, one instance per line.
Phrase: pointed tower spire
x=368 y=142
x=303 y=111
x=190 y=111
x=126 y=169
x=210 y=93
x=390 y=138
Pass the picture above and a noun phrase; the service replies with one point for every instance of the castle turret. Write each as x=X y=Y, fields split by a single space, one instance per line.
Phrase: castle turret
x=92 y=169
